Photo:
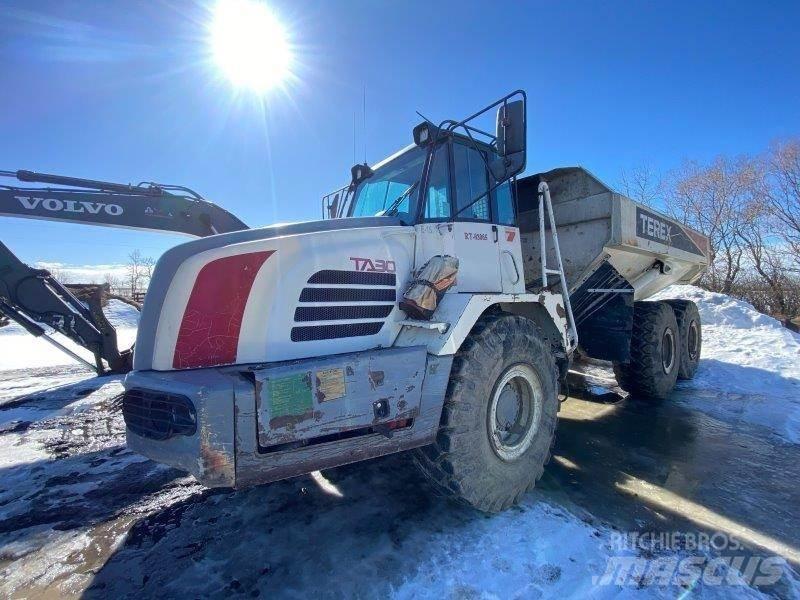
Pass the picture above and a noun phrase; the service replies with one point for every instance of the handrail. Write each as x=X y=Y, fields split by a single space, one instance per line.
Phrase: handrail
x=545 y=202
x=334 y=200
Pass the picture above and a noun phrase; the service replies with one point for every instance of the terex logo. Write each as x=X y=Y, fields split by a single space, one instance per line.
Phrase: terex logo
x=72 y=206
x=378 y=265
x=655 y=228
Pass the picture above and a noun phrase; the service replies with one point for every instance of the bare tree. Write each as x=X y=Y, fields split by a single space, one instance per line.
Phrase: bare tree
x=113 y=282
x=642 y=184
x=148 y=264
x=140 y=269
x=768 y=284
x=783 y=172
x=719 y=200
x=60 y=275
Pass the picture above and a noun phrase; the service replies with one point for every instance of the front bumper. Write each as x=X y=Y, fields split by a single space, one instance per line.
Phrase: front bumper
x=208 y=450
x=241 y=430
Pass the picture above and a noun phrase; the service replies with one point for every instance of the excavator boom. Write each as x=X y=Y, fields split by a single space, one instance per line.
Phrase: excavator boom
x=146 y=206
x=32 y=297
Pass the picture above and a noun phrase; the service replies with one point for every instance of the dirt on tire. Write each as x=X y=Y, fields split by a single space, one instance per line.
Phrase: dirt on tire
x=645 y=376
x=462 y=463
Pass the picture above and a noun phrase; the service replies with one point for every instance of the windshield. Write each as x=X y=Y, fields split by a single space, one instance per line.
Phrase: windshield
x=395 y=180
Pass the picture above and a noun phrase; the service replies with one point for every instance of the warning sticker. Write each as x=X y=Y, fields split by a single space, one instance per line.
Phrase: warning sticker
x=290 y=395
x=330 y=384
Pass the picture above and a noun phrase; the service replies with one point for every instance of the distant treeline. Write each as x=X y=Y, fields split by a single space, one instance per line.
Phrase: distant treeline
x=749 y=207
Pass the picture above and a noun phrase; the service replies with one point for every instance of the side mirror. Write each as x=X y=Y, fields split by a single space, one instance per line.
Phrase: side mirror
x=511 y=140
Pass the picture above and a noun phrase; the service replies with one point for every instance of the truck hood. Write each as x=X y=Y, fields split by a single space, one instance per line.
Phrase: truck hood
x=276 y=293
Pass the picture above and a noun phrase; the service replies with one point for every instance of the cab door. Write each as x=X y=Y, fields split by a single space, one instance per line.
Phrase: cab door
x=504 y=215
x=476 y=238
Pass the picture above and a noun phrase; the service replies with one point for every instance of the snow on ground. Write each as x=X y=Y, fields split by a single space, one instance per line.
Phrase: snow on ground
x=20 y=350
x=750 y=366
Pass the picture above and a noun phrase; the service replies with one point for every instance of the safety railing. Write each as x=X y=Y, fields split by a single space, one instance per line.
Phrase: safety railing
x=546 y=203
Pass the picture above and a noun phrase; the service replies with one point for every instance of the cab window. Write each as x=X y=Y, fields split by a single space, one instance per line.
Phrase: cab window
x=392 y=187
x=437 y=205
x=471 y=181
x=503 y=206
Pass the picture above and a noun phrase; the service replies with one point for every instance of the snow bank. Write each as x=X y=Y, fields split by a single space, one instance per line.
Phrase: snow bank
x=750 y=364
x=20 y=350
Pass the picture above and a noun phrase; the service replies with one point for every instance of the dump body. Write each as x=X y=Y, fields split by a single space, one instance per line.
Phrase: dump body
x=597 y=225
x=614 y=251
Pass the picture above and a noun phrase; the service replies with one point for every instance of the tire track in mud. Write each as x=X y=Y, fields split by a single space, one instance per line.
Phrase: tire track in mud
x=77 y=491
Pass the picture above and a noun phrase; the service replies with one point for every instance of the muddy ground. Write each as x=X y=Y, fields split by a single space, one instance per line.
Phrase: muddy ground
x=83 y=516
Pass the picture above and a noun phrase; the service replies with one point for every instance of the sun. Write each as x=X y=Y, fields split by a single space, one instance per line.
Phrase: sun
x=249 y=45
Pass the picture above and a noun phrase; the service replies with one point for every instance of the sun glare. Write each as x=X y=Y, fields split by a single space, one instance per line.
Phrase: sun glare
x=249 y=44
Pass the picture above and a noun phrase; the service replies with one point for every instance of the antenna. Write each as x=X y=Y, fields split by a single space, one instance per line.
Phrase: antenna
x=354 y=137
x=364 y=131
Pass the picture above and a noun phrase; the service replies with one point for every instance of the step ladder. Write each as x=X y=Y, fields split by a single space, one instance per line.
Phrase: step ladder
x=546 y=203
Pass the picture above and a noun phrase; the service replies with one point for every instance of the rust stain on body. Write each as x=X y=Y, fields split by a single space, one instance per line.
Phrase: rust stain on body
x=376 y=378
x=293 y=420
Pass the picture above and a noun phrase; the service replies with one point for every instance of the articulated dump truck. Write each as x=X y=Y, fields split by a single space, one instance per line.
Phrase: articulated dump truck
x=269 y=353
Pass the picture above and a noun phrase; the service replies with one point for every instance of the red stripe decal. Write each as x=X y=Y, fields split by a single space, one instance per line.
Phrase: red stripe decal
x=209 y=332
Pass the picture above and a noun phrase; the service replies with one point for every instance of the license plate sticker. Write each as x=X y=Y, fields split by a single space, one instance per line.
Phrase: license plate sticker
x=330 y=384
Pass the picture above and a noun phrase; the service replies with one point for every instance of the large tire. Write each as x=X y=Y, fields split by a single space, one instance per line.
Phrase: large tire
x=691 y=336
x=503 y=369
x=655 y=352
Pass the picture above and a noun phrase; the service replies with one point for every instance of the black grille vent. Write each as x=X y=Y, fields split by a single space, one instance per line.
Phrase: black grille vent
x=342 y=313
x=347 y=295
x=344 y=304
x=158 y=416
x=353 y=278
x=311 y=333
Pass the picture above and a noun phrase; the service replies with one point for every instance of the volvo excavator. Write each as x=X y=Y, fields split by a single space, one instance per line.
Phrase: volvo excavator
x=37 y=301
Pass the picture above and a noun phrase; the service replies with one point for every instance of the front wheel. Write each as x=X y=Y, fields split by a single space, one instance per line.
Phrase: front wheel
x=499 y=417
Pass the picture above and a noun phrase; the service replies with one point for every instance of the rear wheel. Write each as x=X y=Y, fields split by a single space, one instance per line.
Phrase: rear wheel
x=655 y=352
x=499 y=417
x=691 y=336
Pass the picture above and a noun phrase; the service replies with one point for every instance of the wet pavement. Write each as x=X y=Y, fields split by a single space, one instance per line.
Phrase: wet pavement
x=645 y=465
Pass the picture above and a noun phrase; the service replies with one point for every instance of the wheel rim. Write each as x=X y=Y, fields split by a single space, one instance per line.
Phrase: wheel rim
x=668 y=350
x=515 y=412
x=693 y=341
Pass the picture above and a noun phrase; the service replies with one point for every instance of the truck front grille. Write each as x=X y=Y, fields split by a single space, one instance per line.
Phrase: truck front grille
x=341 y=313
x=334 y=297
x=347 y=295
x=157 y=415
x=332 y=332
x=353 y=278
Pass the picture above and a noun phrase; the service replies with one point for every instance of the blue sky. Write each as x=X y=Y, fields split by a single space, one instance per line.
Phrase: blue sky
x=124 y=91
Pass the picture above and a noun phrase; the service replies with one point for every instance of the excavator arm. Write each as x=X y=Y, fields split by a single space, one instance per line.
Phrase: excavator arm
x=148 y=206
x=32 y=297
